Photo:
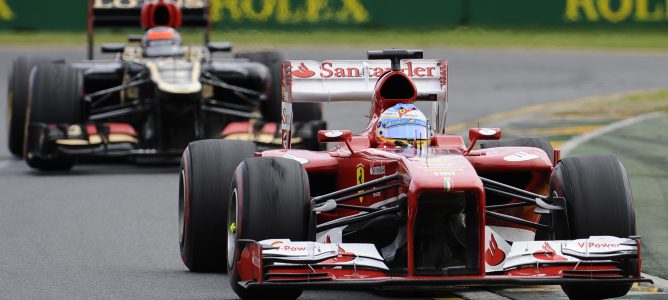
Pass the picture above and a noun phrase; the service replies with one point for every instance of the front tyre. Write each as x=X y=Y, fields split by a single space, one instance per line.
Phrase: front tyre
x=206 y=172
x=55 y=98
x=598 y=202
x=270 y=199
x=18 y=88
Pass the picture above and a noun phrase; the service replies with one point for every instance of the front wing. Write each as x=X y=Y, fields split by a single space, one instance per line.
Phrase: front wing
x=596 y=260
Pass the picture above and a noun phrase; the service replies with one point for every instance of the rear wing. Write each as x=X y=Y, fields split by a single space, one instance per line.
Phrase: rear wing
x=128 y=14
x=355 y=80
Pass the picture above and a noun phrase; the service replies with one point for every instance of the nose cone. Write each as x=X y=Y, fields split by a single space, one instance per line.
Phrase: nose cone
x=445 y=173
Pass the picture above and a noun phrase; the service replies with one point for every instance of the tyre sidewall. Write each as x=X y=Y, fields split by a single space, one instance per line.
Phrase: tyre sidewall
x=208 y=166
x=255 y=203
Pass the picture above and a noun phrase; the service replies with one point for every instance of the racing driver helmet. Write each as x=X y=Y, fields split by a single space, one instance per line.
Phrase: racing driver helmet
x=161 y=41
x=403 y=124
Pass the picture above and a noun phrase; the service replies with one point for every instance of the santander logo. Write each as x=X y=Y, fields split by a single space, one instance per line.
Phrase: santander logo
x=548 y=253
x=303 y=72
x=348 y=70
x=494 y=255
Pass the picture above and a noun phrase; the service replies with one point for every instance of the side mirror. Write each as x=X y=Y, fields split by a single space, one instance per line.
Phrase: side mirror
x=113 y=48
x=134 y=38
x=219 y=46
x=331 y=136
x=484 y=134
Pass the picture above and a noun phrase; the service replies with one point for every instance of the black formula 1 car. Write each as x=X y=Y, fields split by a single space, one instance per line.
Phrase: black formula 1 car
x=150 y=100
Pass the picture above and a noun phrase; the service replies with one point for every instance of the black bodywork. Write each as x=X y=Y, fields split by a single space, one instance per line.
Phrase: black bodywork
x=130 y=89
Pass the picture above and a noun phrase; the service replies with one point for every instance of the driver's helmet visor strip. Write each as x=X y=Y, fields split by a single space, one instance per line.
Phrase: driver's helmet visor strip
x=404 y=129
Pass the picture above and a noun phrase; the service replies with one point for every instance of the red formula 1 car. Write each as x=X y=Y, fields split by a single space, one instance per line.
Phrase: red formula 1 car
x=403 y=204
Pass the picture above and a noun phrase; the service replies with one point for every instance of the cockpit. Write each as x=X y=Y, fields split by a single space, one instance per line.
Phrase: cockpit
x=162 y=42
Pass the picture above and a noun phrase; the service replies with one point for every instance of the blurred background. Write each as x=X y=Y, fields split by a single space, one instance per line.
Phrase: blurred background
x=611 y=24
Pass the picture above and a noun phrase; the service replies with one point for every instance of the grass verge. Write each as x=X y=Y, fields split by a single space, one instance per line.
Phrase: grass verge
x=607 y=108
x=466 y=37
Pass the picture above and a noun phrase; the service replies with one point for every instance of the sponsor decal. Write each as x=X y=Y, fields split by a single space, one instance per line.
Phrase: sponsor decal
x=598 y=245
x=487 y=131
x=494 y=255
x=289 y=248
x=360 y=179
x=302 y=72
x=520 y=156
x=447 y=184
x=333 y=133
x=444 y=174
x=289 y=11
x=548 y=253
x=74 y=131
x=404 y=109
x=377 y=170
x=329 y=70
x=6 y=13
x=301 y=160
x=615 y=11
x=101 y=4
x=276 y=244
x=286 y=125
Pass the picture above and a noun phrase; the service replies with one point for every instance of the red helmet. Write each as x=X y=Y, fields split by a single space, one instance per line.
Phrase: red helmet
x=161 y=41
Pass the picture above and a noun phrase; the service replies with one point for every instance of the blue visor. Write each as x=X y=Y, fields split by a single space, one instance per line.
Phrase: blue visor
x=404 y=129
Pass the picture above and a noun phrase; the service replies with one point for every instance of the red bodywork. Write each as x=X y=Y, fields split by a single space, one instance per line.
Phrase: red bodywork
x=446 y=167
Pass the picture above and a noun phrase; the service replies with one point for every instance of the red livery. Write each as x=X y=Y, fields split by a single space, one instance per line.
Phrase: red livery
x=403 y=203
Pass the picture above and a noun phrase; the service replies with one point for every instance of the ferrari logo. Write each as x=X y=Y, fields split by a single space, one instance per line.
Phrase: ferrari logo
x=360 y=179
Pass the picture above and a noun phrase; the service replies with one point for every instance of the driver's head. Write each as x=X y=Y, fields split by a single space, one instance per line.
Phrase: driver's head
x=403 y=124
x=161 y=41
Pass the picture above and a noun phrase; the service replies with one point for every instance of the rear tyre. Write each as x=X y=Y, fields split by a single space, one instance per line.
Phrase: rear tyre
x=269 y=200
x=18 y=88
x=55 y=91
x=540 y=143
x=598 y=202
x=271 y=109
x=207 y=168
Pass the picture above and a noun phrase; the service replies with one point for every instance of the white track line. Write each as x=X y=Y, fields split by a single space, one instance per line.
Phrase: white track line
x=580 y=139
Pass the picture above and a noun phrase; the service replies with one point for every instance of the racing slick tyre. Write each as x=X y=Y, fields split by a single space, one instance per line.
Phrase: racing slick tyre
x=271 y=109
x=534 y=142
x=270 y=199
x=17 y=101
x=55 y=91
x=598 y=202
x=207 y=167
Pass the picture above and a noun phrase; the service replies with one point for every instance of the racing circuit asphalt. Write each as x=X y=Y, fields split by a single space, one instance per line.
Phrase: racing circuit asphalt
x=110 y=231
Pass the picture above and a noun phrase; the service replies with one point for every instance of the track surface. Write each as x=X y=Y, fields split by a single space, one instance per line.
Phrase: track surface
x=110 y=231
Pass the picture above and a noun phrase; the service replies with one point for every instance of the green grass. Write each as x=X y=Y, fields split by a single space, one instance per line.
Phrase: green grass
x=595 y=39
